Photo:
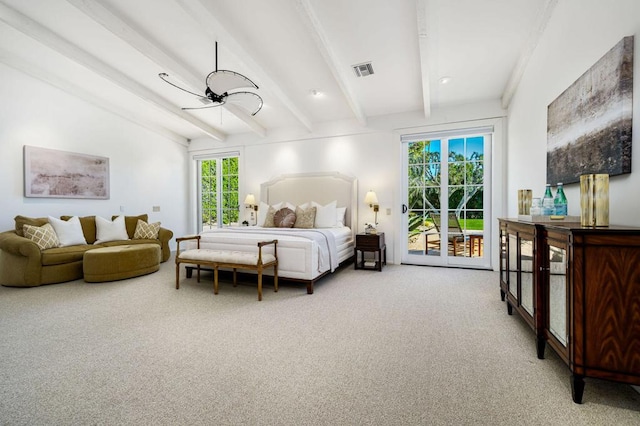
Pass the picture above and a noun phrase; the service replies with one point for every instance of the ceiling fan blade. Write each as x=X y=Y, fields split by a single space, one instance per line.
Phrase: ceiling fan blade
x=224 y=80
x=217 y=104
x=248 y=101
x=165 y=78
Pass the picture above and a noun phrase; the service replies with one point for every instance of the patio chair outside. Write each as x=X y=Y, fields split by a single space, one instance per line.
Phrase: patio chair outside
x=454 y=230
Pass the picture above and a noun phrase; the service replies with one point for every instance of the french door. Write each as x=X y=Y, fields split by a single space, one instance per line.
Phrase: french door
x=218 y=203
x=446 y=193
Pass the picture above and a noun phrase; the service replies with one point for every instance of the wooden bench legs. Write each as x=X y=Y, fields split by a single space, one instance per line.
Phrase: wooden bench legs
x=235 y=278
x=217 y=259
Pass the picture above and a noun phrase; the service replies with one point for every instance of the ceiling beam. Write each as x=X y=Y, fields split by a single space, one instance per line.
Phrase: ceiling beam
x=338 y=70
x=530 y=46
x=242 y=54
x=122 y=29
x=423 y=46
x=50 y=39
x=33 y=70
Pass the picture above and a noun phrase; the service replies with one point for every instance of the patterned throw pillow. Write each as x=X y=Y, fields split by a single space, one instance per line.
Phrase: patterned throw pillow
x=44 y=236
x=269 y=219
x=305 y=218
x=284 y=218
x=146 y=231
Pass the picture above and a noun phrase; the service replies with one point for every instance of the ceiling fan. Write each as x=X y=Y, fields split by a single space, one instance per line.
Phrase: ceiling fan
x=219 y=83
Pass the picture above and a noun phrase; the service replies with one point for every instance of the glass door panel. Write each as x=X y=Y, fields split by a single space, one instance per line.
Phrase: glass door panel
x=513 y=265
x=526 y=275
x=503 y=256
x=218 y=203
x=558 y=293
x=446 y=202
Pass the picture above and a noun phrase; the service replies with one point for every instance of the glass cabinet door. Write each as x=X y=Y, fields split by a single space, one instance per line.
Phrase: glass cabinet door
x=513 y=265
x=526 y=274
x=557 y=293
x=504 y=275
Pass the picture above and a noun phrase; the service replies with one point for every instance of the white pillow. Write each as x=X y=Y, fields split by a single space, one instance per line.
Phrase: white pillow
x=325 y=215
x=107 y=230
x=69 y=232
x=263 y=209
x=340 y=212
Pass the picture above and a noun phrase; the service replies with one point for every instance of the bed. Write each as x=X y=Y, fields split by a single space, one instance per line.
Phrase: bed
x=304 y=255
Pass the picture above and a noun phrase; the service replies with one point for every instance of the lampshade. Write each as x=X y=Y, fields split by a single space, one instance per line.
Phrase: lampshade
x=371 y=198
x=250 y=200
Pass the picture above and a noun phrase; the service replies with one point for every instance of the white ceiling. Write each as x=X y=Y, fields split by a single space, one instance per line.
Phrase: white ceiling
x=110 y=52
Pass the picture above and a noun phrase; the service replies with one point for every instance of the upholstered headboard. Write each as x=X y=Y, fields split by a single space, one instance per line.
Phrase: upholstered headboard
x=322 y=187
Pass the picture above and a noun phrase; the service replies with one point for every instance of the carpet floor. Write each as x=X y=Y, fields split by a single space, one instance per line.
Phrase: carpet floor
x=409 y=345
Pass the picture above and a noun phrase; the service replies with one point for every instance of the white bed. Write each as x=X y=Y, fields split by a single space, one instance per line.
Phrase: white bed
x=304 y=255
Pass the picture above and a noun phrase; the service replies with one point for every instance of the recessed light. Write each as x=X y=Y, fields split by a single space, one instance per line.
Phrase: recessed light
x=444 y=80
x=316 y=93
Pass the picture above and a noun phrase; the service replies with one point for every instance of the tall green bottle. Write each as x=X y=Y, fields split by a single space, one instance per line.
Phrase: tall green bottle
x=548 y=207
x=560 y=201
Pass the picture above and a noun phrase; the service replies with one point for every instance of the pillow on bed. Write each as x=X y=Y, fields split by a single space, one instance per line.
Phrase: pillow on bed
x=325 y=215
x=340 y=212
x=269 y=221
x=305 y=217
x=263 y=211
x=284 y=218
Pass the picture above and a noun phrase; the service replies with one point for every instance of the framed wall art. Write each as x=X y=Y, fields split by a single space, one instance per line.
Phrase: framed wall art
x=589 y=125
x=50 y=173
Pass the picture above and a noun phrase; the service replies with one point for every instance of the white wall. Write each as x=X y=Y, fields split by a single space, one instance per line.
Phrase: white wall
x=372 y=154
x=363 y=155
x=146 y=169
x=578 y=34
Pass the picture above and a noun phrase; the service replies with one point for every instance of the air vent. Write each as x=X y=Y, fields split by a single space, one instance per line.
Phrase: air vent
x=363 y=70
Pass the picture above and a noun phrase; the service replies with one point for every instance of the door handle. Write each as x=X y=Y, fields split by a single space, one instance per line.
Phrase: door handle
x=404 y=208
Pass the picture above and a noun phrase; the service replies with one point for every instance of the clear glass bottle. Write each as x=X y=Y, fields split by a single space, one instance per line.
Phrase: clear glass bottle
x=560 y=201
x=548 y=208
x=536 y=207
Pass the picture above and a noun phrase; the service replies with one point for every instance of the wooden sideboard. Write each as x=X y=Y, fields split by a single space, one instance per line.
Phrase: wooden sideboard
x=578 y=288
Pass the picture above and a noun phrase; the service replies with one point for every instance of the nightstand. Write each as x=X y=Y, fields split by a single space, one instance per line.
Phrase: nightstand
x=370 y=243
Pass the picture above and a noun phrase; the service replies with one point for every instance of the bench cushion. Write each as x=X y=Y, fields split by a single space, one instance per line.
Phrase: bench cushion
x=225 y=256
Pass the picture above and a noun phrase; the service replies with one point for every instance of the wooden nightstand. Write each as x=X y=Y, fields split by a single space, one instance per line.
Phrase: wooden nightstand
x=370 y=243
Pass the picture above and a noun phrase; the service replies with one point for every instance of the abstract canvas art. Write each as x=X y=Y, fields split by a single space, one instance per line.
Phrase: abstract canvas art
x=589 y=125
x=59 y=174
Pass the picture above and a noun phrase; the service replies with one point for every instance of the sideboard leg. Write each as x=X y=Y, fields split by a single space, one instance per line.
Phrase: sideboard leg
x=577 y=388
x=502 y=295
x=540 y=346
x=509 y=308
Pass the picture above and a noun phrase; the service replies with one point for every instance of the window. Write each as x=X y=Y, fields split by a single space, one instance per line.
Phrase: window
x=218 y=203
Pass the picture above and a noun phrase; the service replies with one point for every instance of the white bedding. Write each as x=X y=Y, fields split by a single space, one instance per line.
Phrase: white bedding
x=303 y=254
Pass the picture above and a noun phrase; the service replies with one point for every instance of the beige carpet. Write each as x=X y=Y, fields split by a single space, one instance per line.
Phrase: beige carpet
x=406 y=346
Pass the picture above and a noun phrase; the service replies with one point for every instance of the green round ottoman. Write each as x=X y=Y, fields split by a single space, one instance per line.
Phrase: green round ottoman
x=120 y=262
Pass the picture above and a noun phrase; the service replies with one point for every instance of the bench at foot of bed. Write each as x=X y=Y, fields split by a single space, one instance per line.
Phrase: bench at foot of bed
x=234 y=260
